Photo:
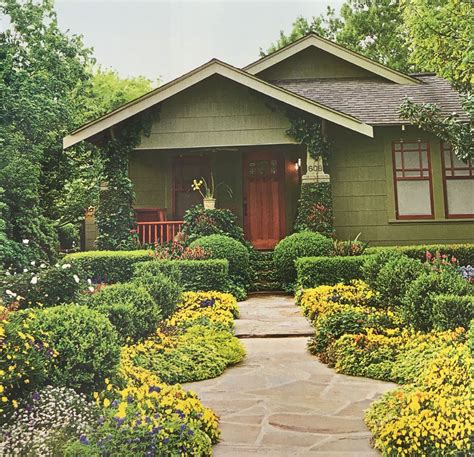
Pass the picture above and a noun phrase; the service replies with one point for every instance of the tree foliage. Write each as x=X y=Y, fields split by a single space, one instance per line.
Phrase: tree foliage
x=374 y=29
x=47 y=88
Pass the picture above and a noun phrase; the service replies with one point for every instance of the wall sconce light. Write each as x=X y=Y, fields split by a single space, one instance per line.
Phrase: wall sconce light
x=298 y=164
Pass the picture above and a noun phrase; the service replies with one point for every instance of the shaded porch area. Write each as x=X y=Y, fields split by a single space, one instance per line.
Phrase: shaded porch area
x=265 y=184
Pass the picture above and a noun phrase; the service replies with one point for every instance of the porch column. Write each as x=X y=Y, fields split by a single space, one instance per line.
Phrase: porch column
x=314 y=171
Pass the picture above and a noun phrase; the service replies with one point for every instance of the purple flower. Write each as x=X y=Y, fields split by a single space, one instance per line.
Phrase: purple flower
x=35 y=396
x=154 y=389
x=83 y=440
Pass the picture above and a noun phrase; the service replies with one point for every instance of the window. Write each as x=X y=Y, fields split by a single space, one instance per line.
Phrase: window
x=412 y=177
x=458 y=184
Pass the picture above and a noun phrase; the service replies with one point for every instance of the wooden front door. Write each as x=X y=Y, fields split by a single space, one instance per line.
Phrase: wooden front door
x=264 y=218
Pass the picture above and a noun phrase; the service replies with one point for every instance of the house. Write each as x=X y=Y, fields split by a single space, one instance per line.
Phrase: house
x=389 y=180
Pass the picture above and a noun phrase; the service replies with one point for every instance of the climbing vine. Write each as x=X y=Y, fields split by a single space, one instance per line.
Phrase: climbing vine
x=307 y=130
x=114 y=216
x=315 y=211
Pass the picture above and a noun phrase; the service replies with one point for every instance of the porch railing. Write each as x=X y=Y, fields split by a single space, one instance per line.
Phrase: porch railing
x=161 y=232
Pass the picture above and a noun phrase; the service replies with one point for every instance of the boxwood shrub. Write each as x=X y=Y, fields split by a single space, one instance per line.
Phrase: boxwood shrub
x=196 y=275
x=86 y=343
x=130 y=309
x=107 y=266
x=418 y=301
x=317 y=271
x=302 y=244
x=165 y=289
x=452 y=311
x=238 y=256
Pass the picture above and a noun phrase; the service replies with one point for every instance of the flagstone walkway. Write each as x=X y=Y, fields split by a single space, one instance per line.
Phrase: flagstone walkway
x=280 y=400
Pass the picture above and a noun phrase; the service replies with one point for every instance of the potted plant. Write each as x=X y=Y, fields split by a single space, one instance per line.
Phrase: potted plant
x=208 y=191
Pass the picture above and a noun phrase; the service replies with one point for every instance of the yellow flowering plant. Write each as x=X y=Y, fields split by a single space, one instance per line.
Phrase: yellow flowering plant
x=209 y=189
x=433 y=415
x=25 y=358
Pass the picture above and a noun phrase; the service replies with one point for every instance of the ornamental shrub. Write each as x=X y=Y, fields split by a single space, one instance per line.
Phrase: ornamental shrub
x=375 y=262
x=316 y=271
x=224 y=247
x=86 y=343
x=452 y=311
x=165 y=290
x=107 y=266
x=199 y=222
x=394 y=278
x=43 y=285
x=130 y=308
x=196 y=275
x=343 y=319
x=315 y=209
x=289 y=249
x=417 y=303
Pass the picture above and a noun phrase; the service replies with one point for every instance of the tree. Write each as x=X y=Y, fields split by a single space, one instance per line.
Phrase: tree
x=440 y=33
x=374 y=29
x=42 y=85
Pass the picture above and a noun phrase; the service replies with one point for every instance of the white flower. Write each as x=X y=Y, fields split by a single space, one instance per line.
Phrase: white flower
x=9 y=292
x=25 y=270
x=66 y=265
x=34 y=280
x=76 y=278
x=89 y=281
x=25 y=241
x=33 y=263
x=43 y=265
x=8 y=273
x=91 y=289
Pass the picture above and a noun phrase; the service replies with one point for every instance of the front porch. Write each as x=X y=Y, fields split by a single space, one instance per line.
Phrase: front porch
x=265 y=183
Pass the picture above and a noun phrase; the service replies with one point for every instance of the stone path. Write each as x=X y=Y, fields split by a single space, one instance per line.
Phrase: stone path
x=280 y=400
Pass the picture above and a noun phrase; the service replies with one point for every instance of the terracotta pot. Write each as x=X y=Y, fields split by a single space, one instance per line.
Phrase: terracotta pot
x=209 y=203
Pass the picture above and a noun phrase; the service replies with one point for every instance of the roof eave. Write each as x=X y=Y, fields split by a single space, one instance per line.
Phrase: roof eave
x=334 y=49
x=199 y=74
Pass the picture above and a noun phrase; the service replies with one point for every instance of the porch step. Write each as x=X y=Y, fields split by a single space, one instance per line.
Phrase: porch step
x=266 y=278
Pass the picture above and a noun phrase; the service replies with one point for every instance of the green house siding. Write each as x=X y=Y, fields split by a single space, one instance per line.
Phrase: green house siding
x=217 y=112
x=364 y=197
x=313 y=63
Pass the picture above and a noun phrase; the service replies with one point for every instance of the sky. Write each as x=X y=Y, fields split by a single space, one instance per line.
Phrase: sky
x=164 y=39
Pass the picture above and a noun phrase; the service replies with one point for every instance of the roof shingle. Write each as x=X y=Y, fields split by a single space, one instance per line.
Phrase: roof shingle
x=376 y=101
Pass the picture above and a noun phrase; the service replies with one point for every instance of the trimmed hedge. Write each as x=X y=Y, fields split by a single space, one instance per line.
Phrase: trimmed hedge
x=225 y=247
x=464 y=253
x=317 y=271
x=452 y=311
x=130 y=309
x=196 y=275
x=107 y=266
x=301 y=244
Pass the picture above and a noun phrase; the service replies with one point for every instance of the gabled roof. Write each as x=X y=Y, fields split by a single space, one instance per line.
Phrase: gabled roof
x=334 y=49
x=215 y=67
x=375 y=101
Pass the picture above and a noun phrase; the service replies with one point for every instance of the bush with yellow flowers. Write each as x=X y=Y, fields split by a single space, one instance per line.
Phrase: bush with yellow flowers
x=397 y=355
x=433 y=415
x=26 y=358
x=196 y=307
x=195 y=343
x=151 y=419
x=320 y=299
